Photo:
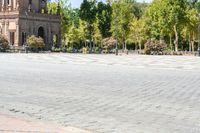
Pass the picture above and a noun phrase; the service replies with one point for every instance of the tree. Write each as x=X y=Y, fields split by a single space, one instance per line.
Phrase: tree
x=77 y=35
x=123 y=12
x=192 y=21
x=137 y=32
x=4 y=44
x=74 y=17
x=127 y=22
x=191 y=27
x=88 y=11
x=176 y=11
x=82 y=30
x=97 y=36
x=64 y=10
x=104 y=13
x=167 y=16
x=158 y=18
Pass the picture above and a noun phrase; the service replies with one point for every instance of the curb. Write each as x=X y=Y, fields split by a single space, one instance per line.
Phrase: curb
x=11 y=124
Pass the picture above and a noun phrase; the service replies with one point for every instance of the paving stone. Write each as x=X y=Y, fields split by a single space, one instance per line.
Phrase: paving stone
x=103 y=93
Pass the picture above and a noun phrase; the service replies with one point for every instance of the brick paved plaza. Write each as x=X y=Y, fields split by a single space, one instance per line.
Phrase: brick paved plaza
x=103 y=93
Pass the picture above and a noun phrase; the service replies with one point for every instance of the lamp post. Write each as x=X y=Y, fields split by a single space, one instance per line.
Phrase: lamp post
x=199 y=36
x=25 y=34
x=116 y=48
x=117 y=26
x=195 y=4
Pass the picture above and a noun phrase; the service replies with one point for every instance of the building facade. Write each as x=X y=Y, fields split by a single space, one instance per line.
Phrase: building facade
x=22 y=18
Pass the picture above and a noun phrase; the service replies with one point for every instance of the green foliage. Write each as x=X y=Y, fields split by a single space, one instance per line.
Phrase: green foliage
x=57 y=50
x=94 y=24
x=167 y=17
x=52 y=8
x=157 y=13
x=96 y=50
x=104 y=15
x=74 y=17
x=70 y=49
x=35 y=44
x=88 y=12
x=190 y=30
x=97 y=36
x=123 y=12
x=78 y=34
x=4 y=45
x=137 y=32
x=64 y=14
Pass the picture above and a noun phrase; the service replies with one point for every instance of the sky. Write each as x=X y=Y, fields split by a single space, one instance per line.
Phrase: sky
x=76 y=3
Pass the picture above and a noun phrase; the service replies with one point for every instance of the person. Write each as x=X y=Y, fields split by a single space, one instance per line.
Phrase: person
x=25 y=47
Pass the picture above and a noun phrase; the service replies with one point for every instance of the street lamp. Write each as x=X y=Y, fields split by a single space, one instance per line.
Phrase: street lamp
x=196 y=4
x=25 y=34
x=116 y=48
x=199 y=36
x=117 y=26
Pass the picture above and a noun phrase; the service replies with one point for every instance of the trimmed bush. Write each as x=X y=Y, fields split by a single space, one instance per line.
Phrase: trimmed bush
x=57 y=50
x=85 y=50
x=4 y=44
x=35 y=44
x=154 y=47
x=69 y=50
x=96 y=50
x=108 y=44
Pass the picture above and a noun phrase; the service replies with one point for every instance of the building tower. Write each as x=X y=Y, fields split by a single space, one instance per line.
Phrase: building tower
x=22 y=18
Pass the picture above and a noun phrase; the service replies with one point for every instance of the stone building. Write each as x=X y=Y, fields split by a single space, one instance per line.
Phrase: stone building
x=22 y=18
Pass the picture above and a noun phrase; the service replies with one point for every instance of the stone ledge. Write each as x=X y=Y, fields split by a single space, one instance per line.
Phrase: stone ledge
x=10 y=124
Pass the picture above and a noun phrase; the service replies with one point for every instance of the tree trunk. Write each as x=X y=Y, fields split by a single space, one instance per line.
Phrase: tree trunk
x=90 y=36
x=192 y=39
x=90 y=41
x=161 y=38
x=125 y=50
x=140 y=46
x=170 y=36
x=176 y=38
x=101 y=43
x=136 y=46
x=192 y=43
x=125 y=47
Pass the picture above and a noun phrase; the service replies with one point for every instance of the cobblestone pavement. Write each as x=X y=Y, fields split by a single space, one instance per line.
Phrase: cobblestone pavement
x=104 y=93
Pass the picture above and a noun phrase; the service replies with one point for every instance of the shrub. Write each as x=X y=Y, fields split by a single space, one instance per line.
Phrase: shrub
x=108 y=44
x=4 y=44
x=70 y=50
x=96 y=50
x=85 y=50
x=35 y=44
x=63 y=48
x=154 y=47
x=57 y=50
